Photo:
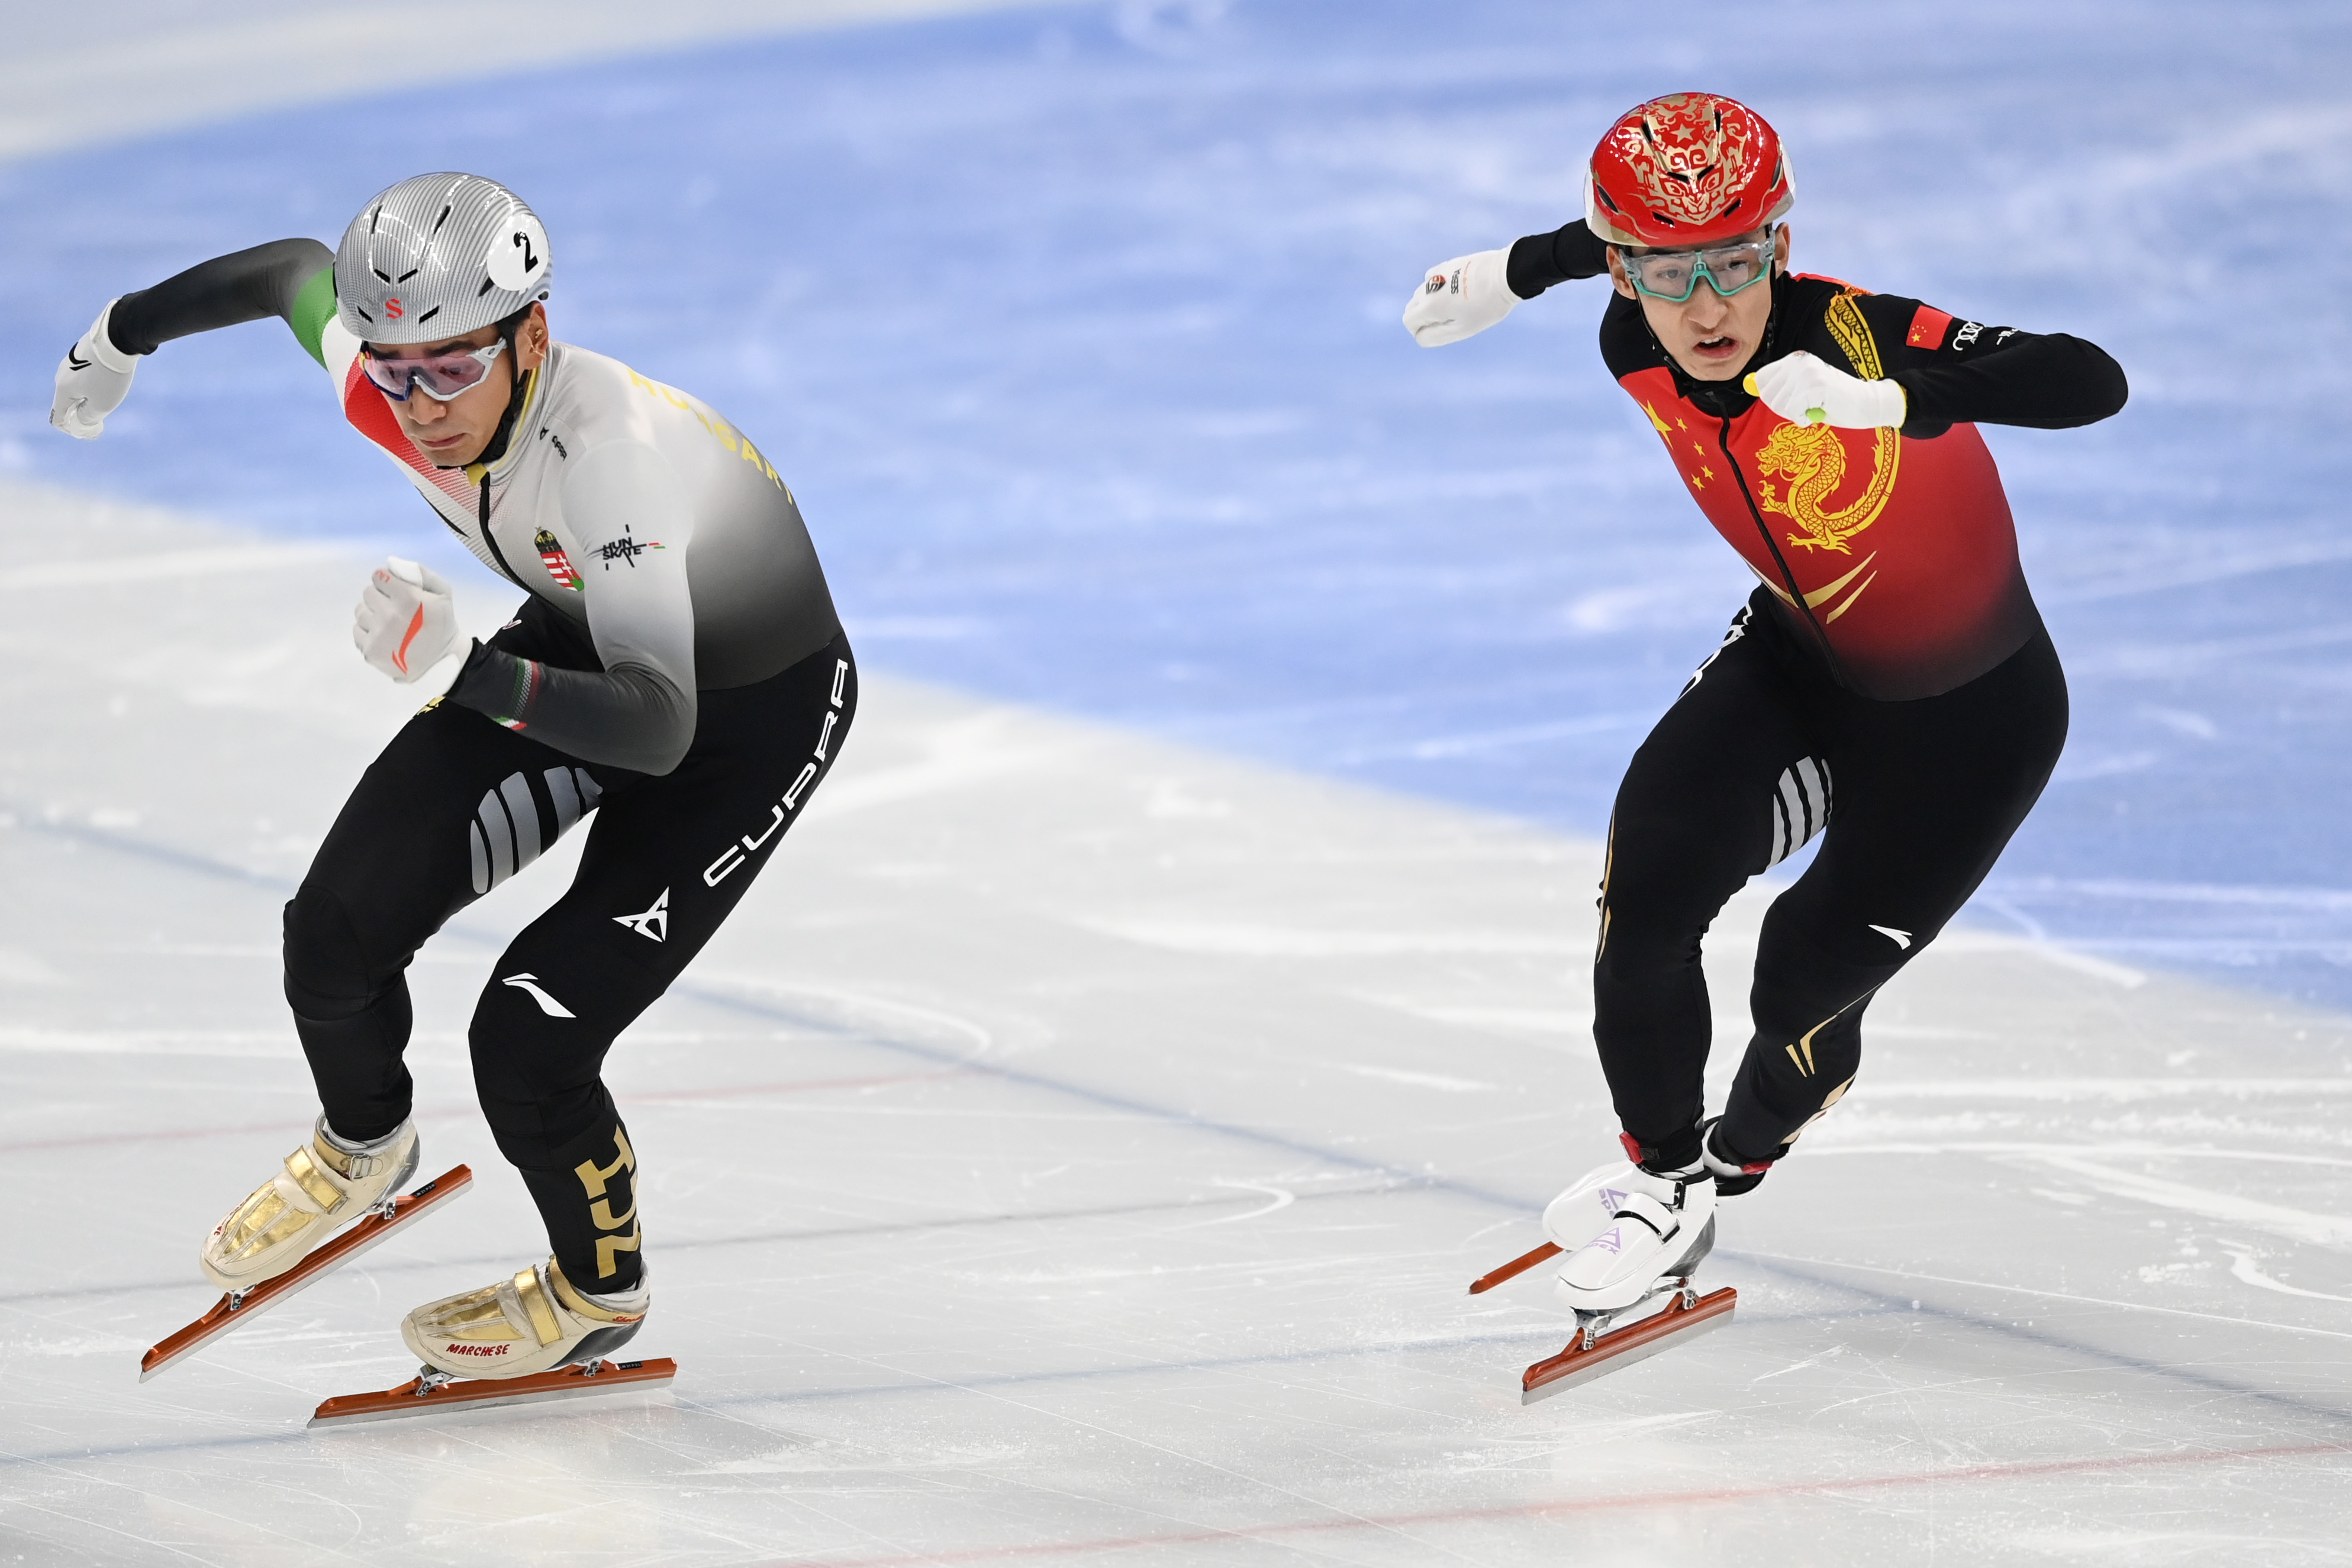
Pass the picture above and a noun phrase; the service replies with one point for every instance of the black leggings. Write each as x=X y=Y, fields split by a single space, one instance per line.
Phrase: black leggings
x=456 y=805
x=1761 y=748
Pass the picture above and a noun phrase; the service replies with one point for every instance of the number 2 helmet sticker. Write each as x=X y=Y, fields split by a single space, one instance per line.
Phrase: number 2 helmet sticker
x=518 y=256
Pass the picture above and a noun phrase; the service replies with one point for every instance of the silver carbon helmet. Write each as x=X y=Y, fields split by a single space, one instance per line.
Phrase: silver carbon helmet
x=436 y=256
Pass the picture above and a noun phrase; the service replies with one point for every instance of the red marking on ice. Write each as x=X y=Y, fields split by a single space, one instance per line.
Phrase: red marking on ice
x=1668 y=1501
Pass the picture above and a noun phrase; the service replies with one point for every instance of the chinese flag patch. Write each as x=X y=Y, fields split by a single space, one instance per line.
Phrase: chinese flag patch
x=1928 y=329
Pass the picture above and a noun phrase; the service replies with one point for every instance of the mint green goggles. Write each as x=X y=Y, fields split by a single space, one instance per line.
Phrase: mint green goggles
x=1674 y=275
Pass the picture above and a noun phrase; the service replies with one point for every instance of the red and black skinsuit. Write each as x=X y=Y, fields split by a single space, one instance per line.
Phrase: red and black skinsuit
x=1889 y=681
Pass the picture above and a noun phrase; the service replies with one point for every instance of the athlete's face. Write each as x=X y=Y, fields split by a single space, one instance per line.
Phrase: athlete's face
x=452 y=434
x=1710 y=337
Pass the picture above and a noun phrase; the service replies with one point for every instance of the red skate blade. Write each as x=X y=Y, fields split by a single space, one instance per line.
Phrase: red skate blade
x=1623 y=1347
x=222 y=1319
x=486 y=1393
x=1514 y=1268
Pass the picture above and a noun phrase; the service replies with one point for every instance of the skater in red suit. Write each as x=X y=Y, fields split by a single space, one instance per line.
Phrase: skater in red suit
x=1888 y=686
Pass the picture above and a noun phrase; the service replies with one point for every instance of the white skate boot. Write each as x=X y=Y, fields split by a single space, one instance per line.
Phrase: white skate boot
x=1630 y=1235
x=321 y=1188
x=532 y=1323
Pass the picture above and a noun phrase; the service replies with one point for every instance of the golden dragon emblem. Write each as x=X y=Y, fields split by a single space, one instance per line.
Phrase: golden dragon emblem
x=1812 y=460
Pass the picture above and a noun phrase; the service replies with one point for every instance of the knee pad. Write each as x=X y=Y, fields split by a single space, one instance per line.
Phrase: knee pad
x=328 y=975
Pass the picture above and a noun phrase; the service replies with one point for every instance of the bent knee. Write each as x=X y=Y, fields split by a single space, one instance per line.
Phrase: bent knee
x=328 y=972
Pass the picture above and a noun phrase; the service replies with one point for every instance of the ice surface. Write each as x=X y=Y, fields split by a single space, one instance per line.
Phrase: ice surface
x=1076 y=1150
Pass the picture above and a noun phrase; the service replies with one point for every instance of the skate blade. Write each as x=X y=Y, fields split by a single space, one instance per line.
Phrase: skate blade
x=1623 y=1347
x=488 y=1393
x=1514 y=1268
x=375 y=1227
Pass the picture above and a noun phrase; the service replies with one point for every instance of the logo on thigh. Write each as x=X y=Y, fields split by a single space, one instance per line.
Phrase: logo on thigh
x=654 y=924
x=732 y=856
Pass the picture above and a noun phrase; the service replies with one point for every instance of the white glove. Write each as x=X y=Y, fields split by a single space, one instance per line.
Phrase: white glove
x=1464 y=297
x=92 y=379
x=1805 y=390
x=406 y=622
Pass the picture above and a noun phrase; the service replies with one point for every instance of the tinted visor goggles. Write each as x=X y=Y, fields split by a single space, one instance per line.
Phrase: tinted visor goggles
x=438 y=376
x=1674 y=275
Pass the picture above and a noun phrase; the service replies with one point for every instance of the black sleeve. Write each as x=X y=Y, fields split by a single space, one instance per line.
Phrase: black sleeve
x=1998 y=375
x=629 y=716
x=1539 y=261
x=222 y=292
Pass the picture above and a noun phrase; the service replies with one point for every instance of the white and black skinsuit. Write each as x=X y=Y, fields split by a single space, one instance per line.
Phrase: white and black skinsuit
x=678 y=670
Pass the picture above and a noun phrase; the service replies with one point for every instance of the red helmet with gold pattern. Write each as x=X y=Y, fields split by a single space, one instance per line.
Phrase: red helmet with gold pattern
x=1688 y=169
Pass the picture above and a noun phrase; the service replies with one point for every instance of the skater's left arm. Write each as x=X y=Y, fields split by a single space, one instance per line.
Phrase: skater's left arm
x=1965 y=373
x=622 y=500
x=289 y=278
x=270 y=280
x=1942 y=371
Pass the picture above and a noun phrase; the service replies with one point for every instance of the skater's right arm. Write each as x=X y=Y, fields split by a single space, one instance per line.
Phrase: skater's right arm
x=268 y=281
x=285 y=278
x=1471 y=293
x=1569 y=252
x=292 y=279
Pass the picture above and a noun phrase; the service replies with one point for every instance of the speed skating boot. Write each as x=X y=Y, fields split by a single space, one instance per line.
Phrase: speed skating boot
x=1627 y=1229
x=320 y=1188
x=530 y=1324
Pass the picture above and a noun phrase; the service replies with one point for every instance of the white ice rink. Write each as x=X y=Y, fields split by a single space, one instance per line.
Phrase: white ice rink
x=1075 y=1152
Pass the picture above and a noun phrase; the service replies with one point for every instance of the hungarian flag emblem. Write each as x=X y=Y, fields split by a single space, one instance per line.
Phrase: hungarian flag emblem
x=559 y=565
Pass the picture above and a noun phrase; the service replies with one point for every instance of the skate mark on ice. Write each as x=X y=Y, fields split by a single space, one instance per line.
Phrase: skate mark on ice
x=1830 y=1355
x=2117 y=1089
x=1283 y=1199
x=467 y=1108
x=2243 y=1267
x=1779 y=1263
x=1111 y=1100
x=219 y=561
x=855 y=1003
x=1668 y=1504
x=917 y=1383
x=2293 y=1224
x=778 y=1238
x=1437 y=1081
x=1884 y=1304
